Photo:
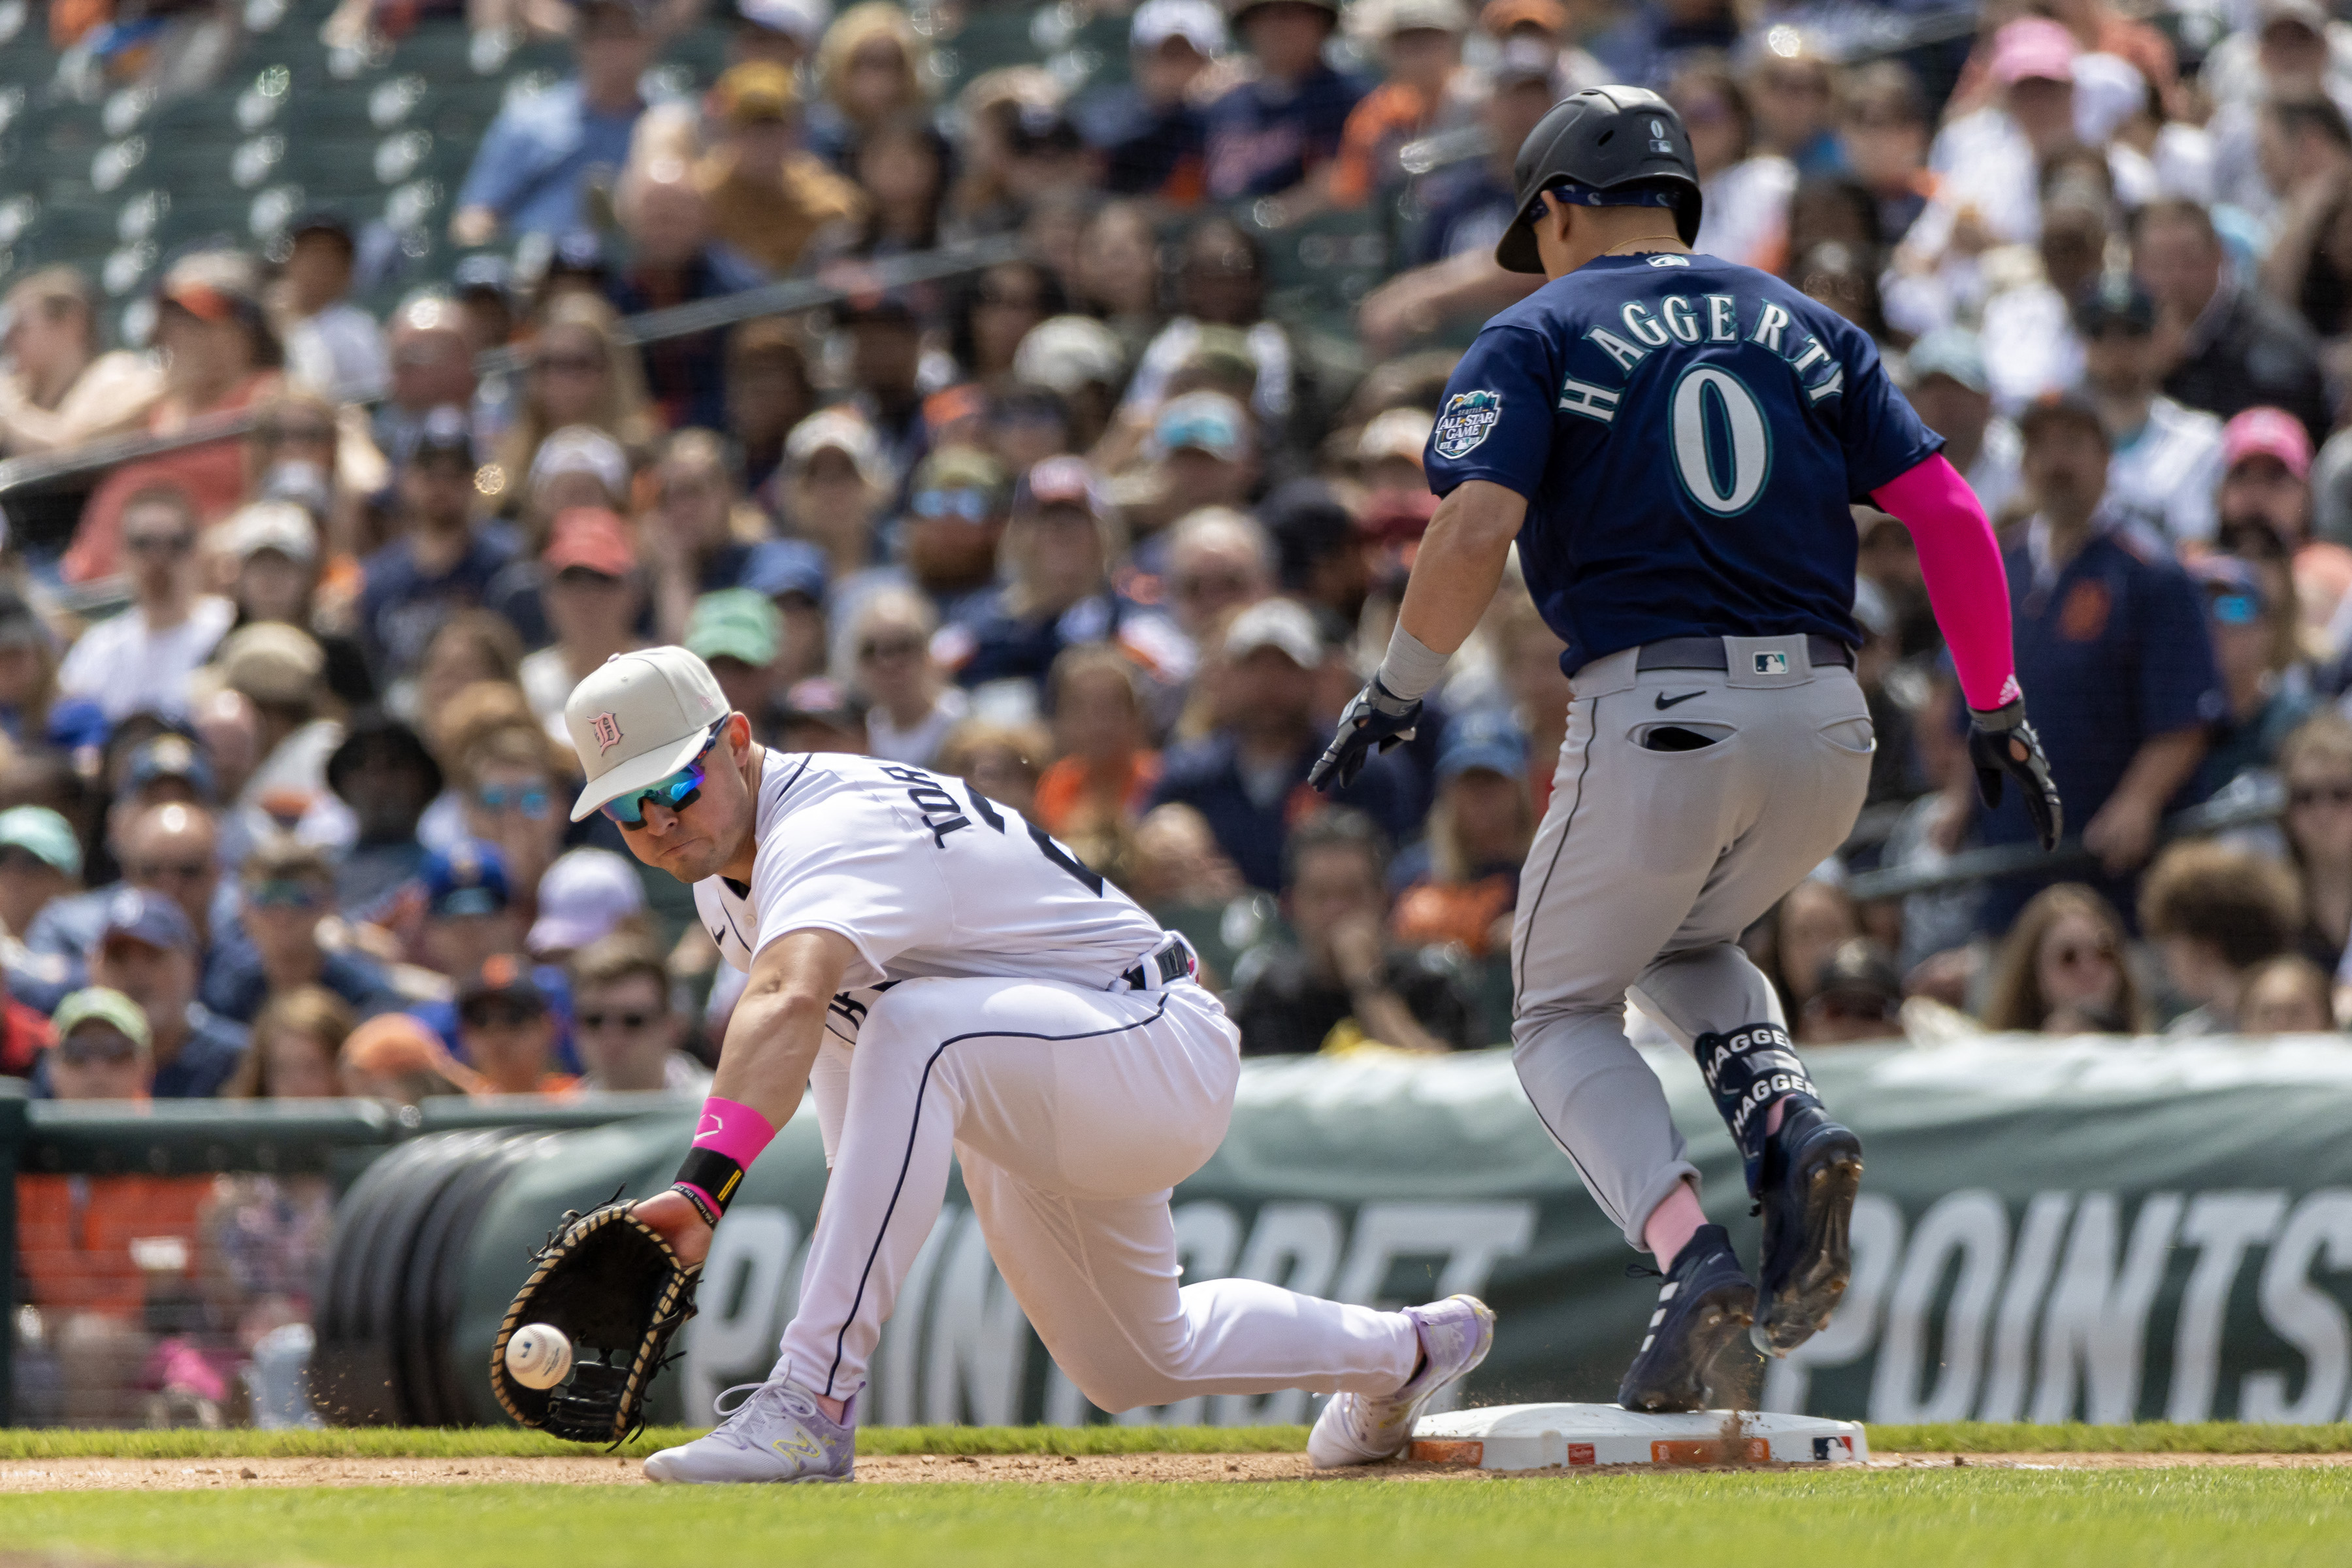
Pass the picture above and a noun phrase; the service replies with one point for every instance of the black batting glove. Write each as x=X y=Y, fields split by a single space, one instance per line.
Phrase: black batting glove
x=1374 y=721
x=2000 y=741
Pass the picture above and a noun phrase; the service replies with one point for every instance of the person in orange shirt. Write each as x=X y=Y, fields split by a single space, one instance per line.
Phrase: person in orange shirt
x=506 y=1029
x=91 y=1248
x=1421 y=40
x=1092 y=797
x=1462 y=880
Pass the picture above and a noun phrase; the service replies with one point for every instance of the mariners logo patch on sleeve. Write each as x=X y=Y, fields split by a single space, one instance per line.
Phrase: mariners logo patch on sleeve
x=1468 y=419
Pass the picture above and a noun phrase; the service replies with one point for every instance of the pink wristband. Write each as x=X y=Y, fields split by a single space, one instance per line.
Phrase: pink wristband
x=733 y=1129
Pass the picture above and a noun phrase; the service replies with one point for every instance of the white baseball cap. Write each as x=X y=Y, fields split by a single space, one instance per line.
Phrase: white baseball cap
x=584 y=894
x=1197 y=22
x=277 y=525
x=637 y=718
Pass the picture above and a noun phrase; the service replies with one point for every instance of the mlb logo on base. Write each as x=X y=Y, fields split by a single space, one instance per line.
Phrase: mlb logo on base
x=1771 y=663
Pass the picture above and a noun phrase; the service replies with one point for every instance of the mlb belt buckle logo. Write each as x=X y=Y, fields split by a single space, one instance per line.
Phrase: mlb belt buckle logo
x=1771 y=663
x=607 y=730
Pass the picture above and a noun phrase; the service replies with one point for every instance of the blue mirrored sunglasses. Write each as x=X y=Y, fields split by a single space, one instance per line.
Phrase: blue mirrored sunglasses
x=532 y=800
x=2235 y=609
x=677 y=792
x=971 y=505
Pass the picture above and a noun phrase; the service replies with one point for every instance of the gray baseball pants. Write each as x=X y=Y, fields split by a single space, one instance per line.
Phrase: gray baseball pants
x=1649 y=864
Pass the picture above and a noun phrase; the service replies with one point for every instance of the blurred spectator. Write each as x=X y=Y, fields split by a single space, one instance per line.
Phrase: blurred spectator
x=279 y=672
x=275 y=548
x=1153 y=137
x=1461 y=883
x=506 y=1029
x=1220 y=282
x=331 y=344
x=631 y=1038
x=59 y=390
x=1268 y=136
x=995 y=313
x=1791 y=92
x=286 y=899
x=1083 y=363
x=169 y=848
x=1804 y=930
x=32 y=709
x=395 y=1057
x=700 y=535
x=768 y=393
x=1746 y=186
x=2305 y=149
x=2064 y=969
x=469 y=913
x=673 y=261
x=768 y=198
x=870 y=67
x=220 y=357
x=2167 y=461
x=790 y=574
x=578 y=373
x=1002 y=761
x=593 y=606
x=586 y=896
x=1856 y=996
x=1469 y=211
x=1248 y=776
x=835 y=485
x=147 y=951
x=1952 y=392
x=739 y=634
x=441 y=561
x=1420 y=43
x=383 y=774
x=140 y=660
x=105 y=1049
x=956 y=516
x=1175 y=870
x=2098 y=613
x=885 y=357
x=2254 y=647
x=910 y=705
x=1204 y=453
x=2315 y=765
x=1219 y=561
x=1343 y=986
x=40 y=862
x=2235 y=347
x=2286 y=995
x=2264 y=514
x=432 y=366
x=1883 y=129
x=510 y=779
x=1106 y=768
x=298 y=1043
x=544 y=150
x=821 y=715
x=2214 y=913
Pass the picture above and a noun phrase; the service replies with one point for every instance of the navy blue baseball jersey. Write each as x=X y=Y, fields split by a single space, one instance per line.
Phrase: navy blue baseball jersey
x=1689 y=433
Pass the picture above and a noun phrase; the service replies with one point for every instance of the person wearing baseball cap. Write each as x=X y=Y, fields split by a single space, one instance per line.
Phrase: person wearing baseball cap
x=781 y=33
x=2168 y=459
x=506 y=1029
x=592 y=600
x=768 y=196
x=1420 y=42
x=1269 y=134
x=1153 y=136
x=739 y=633
x=2255 y=640
x=1952 y=389
x=104 y=1048
x=2263 y=505
x=438 y=561
x=954 y=522
x=330 y=342
x=1205 y=451
x=147 y=950
x=468 y=914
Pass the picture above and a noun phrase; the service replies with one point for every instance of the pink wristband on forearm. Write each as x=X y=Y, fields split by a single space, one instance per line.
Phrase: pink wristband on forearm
x=733 y=1129
x=1959 y=560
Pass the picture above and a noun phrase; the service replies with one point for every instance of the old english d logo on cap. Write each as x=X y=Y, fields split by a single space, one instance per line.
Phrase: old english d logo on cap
x=607 y=728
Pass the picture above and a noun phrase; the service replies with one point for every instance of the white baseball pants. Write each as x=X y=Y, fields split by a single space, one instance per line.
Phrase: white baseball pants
x=1073 y=1112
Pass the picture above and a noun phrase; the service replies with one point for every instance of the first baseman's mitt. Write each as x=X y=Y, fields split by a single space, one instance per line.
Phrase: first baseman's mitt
x=614 y=1287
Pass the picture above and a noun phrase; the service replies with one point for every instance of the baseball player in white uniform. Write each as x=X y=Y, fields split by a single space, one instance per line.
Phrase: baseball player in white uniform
x=945 y=978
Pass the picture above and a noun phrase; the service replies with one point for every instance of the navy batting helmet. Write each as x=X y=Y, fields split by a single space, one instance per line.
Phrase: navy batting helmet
x=1606 y=146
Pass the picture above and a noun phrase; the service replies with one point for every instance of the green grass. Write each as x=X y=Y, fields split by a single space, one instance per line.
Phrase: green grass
x=510 y=1442
x=1915 y=1519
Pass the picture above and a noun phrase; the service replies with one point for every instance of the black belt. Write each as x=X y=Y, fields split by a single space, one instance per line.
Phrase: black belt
x=1173 y=959
x=1707 y=653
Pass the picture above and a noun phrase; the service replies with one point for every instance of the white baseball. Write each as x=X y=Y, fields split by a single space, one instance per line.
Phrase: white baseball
x=540 y=1355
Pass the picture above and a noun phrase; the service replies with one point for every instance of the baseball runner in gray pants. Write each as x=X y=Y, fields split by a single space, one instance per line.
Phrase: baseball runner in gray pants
x=1673 y=443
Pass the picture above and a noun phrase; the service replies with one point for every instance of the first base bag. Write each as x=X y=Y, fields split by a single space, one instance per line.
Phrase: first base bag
x=614 y=1287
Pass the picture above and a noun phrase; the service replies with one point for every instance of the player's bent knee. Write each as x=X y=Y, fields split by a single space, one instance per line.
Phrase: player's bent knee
x=1125 y=1377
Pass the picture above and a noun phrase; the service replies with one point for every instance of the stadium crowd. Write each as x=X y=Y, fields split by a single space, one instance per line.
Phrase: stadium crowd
x=1098 y=532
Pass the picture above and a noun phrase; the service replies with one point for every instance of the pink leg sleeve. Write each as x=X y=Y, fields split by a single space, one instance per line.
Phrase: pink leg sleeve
x=1966 y=582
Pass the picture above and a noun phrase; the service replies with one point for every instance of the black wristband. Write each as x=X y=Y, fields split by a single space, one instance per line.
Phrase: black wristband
x=712 y=1173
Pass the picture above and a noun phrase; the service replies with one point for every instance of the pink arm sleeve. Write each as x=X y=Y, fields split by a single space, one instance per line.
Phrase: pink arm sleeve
x=1967 y=583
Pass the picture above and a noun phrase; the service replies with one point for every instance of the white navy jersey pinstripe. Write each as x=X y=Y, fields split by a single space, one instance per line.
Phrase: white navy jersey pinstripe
x=924 y=875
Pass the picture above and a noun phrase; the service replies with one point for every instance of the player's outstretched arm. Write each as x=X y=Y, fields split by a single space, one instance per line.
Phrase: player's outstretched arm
x=1453 y=579
x=1960 y=561
x=763 y=1067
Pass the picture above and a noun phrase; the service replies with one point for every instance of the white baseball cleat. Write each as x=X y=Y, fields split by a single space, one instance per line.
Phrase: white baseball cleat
x=778 y=1435
x=1365 y=1428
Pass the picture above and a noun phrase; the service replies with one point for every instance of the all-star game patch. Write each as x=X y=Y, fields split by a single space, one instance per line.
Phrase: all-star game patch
x=1468 y=419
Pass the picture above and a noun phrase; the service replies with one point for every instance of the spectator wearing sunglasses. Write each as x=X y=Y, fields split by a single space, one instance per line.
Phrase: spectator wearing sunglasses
x=506 y=1031
x=631 y=1039
x=507 y=780
x=910 y=704
x=2265 y=510
x=2061 y=969
x=287 y=897
x=280 y=671
x=440 y=563
x=949 y=534
x=470 y=919
x=2254 y=648
x=171 y=849
x=383 y=774
x=142 y=658
x=2315 y=765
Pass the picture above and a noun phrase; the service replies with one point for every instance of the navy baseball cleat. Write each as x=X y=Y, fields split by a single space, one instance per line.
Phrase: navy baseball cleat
x=1811 y=1169
x=1705 y=1302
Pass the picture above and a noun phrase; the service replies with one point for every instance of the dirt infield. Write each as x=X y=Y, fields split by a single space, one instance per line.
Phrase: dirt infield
x=181 y=1474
